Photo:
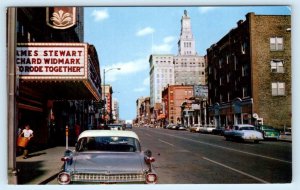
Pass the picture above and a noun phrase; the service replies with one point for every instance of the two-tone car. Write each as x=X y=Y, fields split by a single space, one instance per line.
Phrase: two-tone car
x=245 y=132
x=107 y=157
x=269 y=132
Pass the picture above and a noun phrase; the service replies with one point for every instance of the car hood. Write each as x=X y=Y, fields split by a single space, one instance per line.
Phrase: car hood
x=108 y=162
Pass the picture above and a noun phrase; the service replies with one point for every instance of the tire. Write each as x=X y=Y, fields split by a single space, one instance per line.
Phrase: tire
x=256 y=141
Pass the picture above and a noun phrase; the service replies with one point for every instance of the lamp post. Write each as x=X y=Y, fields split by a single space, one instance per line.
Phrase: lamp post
x=104 y=98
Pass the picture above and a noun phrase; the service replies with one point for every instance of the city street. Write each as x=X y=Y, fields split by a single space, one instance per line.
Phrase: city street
x=183 y=157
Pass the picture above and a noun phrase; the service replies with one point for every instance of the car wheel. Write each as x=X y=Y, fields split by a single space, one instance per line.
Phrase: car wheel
x=227 y=138
x=256 y=141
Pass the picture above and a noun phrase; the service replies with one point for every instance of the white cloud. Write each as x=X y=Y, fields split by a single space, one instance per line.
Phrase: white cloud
x=142 y=89
x=127 y=68
x=162 y=48
x=145 y=31
x=204 y=10
x=165 y=47
x=169 y=39
x=146 y=81
x=100 y=15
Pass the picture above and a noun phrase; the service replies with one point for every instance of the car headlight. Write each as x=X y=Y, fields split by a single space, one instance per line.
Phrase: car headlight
x=64 y=178
x=151 y=178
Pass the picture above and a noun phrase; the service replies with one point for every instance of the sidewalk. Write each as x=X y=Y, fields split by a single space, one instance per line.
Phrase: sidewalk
x=40 y=166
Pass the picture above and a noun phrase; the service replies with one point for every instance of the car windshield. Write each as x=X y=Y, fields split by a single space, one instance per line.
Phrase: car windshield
x=246 y=128
x=111 y=144
x=264 y=127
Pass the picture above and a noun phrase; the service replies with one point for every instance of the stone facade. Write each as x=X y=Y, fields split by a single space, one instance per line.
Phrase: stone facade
x=249 y=72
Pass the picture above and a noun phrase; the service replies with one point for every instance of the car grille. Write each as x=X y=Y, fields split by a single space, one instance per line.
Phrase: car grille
x=107 y=178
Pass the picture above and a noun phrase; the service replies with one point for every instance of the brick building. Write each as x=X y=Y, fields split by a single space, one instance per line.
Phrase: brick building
x=249 y=73
x=173 y=98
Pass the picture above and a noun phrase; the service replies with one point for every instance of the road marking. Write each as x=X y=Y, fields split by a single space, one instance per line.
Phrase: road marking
x=231 y=149
x=148 y=134
x=238 y=171
x=166 y=142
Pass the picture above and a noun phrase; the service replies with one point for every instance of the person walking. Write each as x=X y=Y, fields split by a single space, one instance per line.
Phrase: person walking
x=28 y=134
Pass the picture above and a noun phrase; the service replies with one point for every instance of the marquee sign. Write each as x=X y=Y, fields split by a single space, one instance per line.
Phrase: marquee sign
x=51 y=60
x=61 y=17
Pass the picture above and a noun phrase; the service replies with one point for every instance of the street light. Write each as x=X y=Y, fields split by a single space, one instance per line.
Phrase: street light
x=105 y=71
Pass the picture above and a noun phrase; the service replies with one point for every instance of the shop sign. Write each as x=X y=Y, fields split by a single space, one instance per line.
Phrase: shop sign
x=61 y=17
x=51 y=60
x=196 y=106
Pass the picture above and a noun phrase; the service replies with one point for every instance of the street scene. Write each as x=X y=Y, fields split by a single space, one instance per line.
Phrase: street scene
x=182 y=157
x=149 y=95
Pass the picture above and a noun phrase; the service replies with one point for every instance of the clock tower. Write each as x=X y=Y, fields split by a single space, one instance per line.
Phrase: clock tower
x=186 y=43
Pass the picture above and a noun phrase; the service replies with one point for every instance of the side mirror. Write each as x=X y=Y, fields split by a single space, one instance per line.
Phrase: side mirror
x=148 y=153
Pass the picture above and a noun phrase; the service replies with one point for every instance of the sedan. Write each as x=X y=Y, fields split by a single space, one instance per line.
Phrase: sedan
x=269 y=132
x=243 y=132
x=107 y=157
x=195 y=128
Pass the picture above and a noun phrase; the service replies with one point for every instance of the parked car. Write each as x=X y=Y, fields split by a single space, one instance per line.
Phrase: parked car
x=171 y=126
x=207 y=128
x=115 y=126
x=195 y=128
x=268 y=132
x=243 y=132
x=218 y=131
x=180 y=127
x=105 y=157
x=128 y=126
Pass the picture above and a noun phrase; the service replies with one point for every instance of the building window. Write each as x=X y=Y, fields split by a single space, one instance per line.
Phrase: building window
x=228 y=96
x=245 y=70
x=277 y=66
x=276 y=43
x=220 y=63
x=227 y=58
x=245 y=92
x=278 y=88
x=243 y=48
x=228 y=77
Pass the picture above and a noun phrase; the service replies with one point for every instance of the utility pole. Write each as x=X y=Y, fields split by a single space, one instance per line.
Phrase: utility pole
x=12 y=93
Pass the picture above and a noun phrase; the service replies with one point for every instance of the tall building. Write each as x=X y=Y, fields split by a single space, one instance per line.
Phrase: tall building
x=186 y=68
x=249 y=73
x=189 y=68
x=161 y=74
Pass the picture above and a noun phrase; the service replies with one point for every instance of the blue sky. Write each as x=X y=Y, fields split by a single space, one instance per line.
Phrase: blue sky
x=126 y=36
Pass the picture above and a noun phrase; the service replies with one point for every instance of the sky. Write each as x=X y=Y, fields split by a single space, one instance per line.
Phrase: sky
x=125 y=37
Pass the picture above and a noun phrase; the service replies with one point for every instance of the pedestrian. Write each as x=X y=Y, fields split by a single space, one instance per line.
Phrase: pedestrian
x=28 y=134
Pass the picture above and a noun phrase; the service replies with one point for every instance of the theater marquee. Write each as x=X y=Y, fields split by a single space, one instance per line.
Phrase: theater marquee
x=51 y=60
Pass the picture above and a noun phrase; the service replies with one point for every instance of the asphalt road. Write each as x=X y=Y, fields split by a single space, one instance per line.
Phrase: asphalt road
x=183 y=157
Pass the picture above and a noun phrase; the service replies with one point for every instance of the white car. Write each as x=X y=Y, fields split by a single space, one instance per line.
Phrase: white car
x=195 y=128
x=107 y=157
x=243 y=132
x=207 y=129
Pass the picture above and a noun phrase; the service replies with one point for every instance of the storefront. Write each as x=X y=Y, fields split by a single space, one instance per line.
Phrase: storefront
x=59 y=85
x=239 y=111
